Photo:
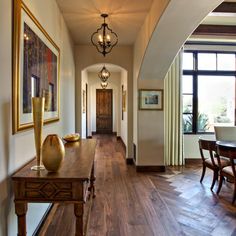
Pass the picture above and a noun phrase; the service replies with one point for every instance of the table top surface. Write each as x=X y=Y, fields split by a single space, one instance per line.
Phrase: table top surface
x=228 y=144
x=77 y=163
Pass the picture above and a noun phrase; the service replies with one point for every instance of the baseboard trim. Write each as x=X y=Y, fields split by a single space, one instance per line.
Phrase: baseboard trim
x=122 y=142
x=129 y=161
x=111 y=133
x=150 y=168
x=193 y=161
x=42 y=221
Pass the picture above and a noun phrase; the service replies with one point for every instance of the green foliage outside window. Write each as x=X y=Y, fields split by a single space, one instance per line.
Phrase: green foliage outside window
x=203 y=123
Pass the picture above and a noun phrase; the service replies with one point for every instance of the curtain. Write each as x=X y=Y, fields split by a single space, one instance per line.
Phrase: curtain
x=173 y=148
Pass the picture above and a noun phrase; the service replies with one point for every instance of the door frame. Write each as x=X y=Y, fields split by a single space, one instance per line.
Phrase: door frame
x=86 y=109
x=111 y=110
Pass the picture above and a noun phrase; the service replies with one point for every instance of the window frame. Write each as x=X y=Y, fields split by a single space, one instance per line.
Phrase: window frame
x=195 y=73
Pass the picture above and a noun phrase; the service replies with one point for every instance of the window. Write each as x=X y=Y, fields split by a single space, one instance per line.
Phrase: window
x=208 y=90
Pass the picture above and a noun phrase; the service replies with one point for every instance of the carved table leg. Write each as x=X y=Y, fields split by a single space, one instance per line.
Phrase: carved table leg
x=79 y=226
x=21 y=209
x=92 y=180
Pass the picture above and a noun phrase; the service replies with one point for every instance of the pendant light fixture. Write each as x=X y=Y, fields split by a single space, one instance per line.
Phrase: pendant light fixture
x=104 y=74
x=104 y=85
x=104 y=39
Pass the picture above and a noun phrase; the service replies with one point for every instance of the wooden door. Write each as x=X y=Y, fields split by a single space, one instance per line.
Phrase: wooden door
x=104 y=111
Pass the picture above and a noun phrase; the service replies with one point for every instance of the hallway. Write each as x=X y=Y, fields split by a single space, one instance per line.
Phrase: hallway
x=128 y=203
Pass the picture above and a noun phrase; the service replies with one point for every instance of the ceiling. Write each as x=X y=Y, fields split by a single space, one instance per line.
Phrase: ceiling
x=97 y=67
x=224 y=15
x=125 y=17
x=222 y=18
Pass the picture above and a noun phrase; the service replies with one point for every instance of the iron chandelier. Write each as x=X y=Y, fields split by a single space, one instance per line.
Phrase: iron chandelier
x=104 y=85
x=104 y=74
x=104 y=39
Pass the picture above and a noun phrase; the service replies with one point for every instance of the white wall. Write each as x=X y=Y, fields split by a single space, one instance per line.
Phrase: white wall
x=151 y=130
x=191 y=147
x=114 y=84
x=16 y=150
x=140 y=47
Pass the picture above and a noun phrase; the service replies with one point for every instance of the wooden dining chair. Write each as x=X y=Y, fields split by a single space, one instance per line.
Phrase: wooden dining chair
x=228 y=172
x=211 y=160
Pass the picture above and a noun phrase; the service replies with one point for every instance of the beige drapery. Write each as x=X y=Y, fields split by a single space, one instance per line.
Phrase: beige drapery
x=173 y=148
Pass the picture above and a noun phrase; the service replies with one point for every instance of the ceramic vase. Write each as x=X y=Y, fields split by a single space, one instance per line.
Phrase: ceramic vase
x=53 y=152
x=38 y=113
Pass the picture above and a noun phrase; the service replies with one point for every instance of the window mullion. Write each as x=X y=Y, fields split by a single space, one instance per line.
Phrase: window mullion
x=195 y=93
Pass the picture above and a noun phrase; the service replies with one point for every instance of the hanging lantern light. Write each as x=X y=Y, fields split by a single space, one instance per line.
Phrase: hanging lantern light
x=104 y=85
x=104 y=39
x=104 y=74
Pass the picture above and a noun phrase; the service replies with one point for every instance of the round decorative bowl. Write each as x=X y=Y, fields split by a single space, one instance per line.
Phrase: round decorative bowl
x=71 y=137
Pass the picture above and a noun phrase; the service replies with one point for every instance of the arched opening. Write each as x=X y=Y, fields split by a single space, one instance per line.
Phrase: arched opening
x=91 y=84
x=170 y=33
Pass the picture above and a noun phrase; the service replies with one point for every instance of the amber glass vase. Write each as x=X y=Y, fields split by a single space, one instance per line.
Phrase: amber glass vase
x=38 y=113
x=53 y=152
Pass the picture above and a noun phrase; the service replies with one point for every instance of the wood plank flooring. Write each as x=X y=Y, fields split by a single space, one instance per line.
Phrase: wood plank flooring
x=128 y=203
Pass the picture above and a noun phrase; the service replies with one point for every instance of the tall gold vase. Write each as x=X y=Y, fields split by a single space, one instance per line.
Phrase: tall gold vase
x=38 y=113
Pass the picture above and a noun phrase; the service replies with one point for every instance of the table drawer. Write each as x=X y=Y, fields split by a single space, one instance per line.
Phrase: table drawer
x=48 y=190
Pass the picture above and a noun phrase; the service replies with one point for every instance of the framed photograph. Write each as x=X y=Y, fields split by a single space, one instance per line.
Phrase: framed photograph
x=151 y=99
x=35 y=69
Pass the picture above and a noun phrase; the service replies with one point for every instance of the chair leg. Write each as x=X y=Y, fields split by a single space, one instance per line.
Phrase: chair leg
x=234 y=196
x=215 y=177
x=203 y=172
x=220 y=184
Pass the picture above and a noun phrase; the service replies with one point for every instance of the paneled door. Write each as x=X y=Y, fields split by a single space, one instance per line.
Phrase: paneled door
x=104 y=111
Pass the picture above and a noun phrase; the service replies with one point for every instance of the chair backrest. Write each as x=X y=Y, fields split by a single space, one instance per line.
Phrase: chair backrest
x=225 y=133
x=228 y=151
x=210 y=146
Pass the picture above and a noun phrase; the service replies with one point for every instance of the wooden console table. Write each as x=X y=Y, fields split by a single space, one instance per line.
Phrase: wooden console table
x=73 y=183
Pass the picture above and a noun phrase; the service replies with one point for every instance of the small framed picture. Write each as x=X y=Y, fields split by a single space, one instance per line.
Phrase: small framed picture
x=151 y=99
x=124 y=100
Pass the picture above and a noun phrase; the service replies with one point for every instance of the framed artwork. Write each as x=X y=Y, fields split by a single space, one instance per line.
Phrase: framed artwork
x=124 y=100
x=84 y=102
x=35 y=69
x=151 y=99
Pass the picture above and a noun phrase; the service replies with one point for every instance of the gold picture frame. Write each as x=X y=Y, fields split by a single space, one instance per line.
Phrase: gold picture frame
x=36 y=66
x=150 y=99
x=124 y=100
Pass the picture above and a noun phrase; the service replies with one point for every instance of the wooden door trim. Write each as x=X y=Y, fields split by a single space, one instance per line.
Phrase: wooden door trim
x=86 y=108
x=111 y=90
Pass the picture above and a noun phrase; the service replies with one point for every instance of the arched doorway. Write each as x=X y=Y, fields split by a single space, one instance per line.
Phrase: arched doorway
x=117 y=83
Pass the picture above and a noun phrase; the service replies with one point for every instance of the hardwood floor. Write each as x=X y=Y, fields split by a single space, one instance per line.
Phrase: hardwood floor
x=128 y=203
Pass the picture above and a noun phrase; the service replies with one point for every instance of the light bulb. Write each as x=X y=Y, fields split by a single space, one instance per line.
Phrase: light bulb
x=100 y=38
